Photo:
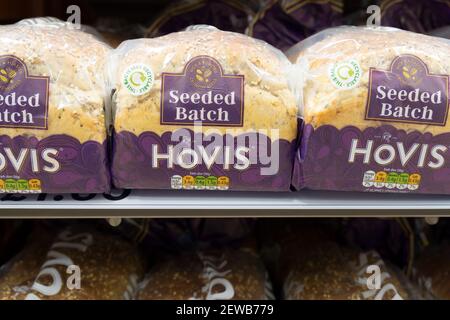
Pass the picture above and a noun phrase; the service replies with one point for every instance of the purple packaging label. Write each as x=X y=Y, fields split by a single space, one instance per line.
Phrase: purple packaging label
x=227 y=15
x=417 y=16
x=382 y=159
x=57 y=164
x=202 y=93
x=23 y=97
x=408 y=93
x=283 y=24
x=248 y=162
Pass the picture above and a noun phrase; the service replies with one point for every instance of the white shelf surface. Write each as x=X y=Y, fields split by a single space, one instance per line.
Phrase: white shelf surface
x=176 y=204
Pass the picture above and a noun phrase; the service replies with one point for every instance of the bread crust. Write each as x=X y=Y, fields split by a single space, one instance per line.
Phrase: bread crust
x=324 y=104
x=75 y=63
x=268 y=103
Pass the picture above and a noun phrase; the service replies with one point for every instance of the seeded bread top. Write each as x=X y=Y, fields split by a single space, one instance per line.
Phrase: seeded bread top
x=75 y=63
x=268 y=101
x=324 y=104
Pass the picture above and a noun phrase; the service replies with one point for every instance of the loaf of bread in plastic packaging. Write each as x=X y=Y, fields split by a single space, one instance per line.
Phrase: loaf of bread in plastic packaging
x=331 y=272
x=219 y=274
x=78 y=264
x=227 y=82
x=53 y=99
x=375 y=104
x=307 y=262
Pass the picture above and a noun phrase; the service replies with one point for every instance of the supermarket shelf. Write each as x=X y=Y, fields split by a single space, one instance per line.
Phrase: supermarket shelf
x=175 y=204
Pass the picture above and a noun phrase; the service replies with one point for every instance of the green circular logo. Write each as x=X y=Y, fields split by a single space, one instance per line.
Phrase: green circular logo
x=346 y=75
x=138 y=79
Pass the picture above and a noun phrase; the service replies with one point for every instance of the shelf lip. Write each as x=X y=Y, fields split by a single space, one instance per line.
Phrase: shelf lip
x=228 y=208
x=143 y=214
x=141 y=203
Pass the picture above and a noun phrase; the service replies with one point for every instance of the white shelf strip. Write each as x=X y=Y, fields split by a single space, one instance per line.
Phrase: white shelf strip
x=215 y=204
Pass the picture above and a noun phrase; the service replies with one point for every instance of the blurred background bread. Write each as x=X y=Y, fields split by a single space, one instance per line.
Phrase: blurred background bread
x=110 y=268
x=225 y=274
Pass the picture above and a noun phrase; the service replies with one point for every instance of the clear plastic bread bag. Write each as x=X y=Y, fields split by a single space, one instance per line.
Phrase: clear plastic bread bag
x=52 y=109
x=202 y=109
x=375 y=104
